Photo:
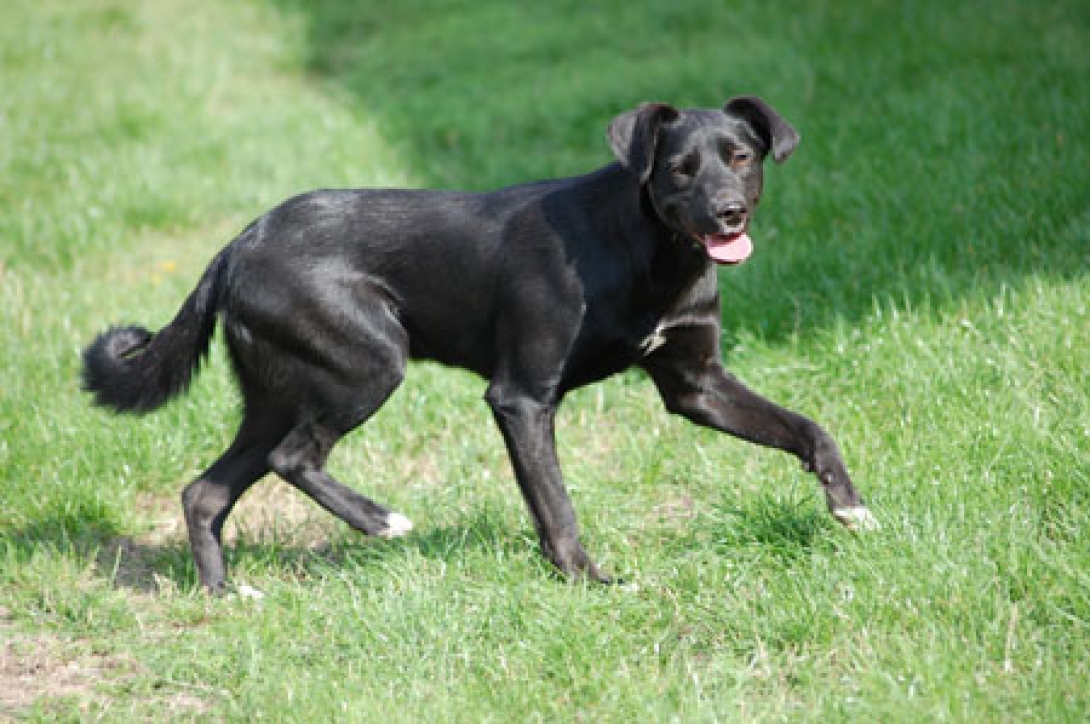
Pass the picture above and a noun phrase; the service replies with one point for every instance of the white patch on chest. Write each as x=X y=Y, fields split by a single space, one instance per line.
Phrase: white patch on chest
x=652 y=342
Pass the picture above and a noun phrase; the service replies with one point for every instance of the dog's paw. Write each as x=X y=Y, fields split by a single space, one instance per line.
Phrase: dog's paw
x=234 y=592
x=397 y=525
x=857 y=518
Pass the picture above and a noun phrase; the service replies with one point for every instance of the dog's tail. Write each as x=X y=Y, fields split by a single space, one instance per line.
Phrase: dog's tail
x=129 y=369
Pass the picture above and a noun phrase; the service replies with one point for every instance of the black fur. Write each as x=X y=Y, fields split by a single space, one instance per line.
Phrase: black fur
x=539 y=288
x=128 y=369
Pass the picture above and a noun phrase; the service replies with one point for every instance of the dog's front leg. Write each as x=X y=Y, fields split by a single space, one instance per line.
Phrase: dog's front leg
x=527 y=427
x=693 y=383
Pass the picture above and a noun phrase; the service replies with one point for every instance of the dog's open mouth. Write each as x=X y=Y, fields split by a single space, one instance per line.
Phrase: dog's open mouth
x=728 y=248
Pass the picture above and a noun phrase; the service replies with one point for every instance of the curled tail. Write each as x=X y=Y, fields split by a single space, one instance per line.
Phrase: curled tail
x=129 y=369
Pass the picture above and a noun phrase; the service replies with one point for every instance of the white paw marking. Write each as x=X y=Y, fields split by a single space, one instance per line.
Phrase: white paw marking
x=249 y=592
x=652 y=342
x=857 y=518
x=397 y=525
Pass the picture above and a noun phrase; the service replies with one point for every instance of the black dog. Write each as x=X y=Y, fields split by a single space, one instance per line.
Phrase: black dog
x=539 y=288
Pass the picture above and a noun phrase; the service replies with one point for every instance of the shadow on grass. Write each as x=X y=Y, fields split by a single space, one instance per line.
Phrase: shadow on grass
x=127 y=562
x=903 y=190
x=771 y=527
x=787 y=529
x=156 y=567
x=145 y=567
x=781 y=530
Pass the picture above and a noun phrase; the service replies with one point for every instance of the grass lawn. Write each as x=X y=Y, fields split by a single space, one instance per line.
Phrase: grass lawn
x=920 y=286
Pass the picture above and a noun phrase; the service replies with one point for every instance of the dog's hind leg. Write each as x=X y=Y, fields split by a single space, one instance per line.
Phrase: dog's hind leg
x=208 y=500
x=300 y=459
x=344 y=380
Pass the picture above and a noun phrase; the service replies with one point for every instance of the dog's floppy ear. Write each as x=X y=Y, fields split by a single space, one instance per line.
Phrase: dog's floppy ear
x=633 y=136
x=776 y=133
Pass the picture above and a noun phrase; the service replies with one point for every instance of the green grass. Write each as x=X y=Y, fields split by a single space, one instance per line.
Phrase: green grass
x=920 y=286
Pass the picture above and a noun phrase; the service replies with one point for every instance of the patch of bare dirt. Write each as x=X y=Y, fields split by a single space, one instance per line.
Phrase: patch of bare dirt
x=272 y=512
x=41 y=665
x=678 y=509
x=36 y=667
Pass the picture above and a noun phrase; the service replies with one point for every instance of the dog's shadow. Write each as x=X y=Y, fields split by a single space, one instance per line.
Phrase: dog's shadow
x=776 y=529
x=164 y=567
x=782 y=529
x=98 y=544
x=785 y=530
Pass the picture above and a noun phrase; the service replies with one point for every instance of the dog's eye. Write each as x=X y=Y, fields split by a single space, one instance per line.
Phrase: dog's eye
x=740 y=158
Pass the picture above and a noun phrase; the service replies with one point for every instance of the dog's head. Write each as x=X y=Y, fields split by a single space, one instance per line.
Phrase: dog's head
x=701 y=168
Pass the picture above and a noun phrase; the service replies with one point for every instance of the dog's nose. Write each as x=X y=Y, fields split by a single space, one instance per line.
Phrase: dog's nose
x=731 y=213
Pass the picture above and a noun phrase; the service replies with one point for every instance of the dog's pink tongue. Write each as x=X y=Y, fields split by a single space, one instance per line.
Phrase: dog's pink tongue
x=728 y=248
